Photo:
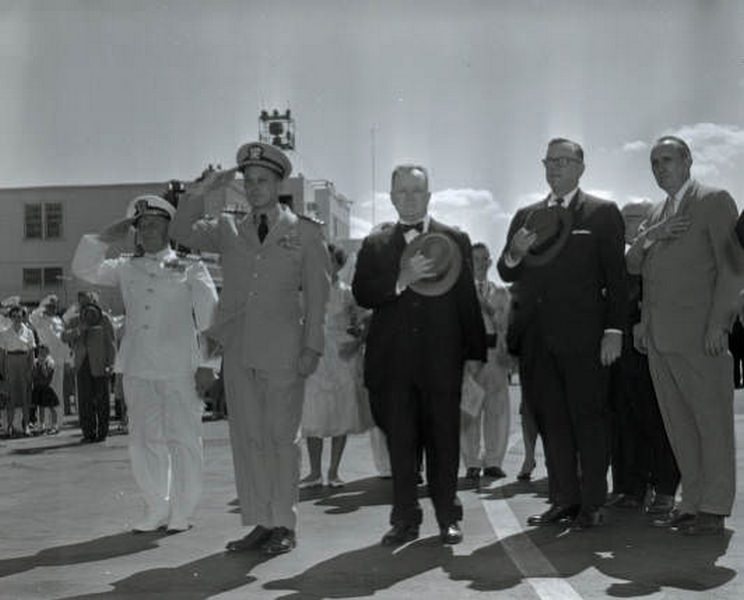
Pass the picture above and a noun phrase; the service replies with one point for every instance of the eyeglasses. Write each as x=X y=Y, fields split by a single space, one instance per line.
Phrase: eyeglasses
x=415 y=194
x=561 y=161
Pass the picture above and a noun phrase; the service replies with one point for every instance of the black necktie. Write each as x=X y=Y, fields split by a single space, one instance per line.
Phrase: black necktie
x=263 y=227
x=417 y=226
x=560 y=200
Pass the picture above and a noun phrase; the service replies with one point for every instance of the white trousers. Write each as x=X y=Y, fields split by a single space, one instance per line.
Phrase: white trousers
x=165 y=443
x=493 y=422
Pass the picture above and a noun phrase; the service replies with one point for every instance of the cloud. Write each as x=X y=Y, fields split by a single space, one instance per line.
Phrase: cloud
x=637 y=146
x=714 y=147
x=359 y=227
x=464 y=198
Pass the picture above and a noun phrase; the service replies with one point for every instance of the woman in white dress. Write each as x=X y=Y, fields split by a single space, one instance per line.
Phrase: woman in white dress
x=332 y=405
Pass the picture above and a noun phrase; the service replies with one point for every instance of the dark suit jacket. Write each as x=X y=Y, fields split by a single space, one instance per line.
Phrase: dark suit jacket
x=582 y=291
x=411 y=336
x=97 y=343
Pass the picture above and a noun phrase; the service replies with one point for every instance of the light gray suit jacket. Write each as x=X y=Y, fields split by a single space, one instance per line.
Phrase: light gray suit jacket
x=690 y=284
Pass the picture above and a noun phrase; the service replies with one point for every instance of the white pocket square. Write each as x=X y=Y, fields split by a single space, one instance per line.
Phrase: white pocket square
x=581 y=232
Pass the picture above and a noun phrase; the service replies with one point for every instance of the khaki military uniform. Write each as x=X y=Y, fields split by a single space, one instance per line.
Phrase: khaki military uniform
x=272 y=306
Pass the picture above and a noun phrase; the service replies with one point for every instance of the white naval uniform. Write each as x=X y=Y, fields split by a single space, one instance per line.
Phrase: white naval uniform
x=167 y=300
x=493 y=422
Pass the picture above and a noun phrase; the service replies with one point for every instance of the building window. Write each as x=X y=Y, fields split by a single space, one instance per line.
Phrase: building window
x=52 y=220
x=32 y=278
x=52 y=277
x=44 y=277
x=32 y=221
x=43 y=221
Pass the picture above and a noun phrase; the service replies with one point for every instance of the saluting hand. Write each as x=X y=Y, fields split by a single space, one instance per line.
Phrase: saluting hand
x=213 y=180
x=116 y=231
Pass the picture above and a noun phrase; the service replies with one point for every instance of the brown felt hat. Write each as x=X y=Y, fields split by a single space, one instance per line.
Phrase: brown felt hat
x=447 y=257
x=552 y=224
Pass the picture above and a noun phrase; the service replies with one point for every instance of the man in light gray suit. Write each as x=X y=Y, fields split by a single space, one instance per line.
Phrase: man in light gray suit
x=689 y=295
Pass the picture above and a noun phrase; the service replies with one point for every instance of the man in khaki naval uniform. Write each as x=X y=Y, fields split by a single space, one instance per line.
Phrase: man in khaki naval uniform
x=167 y=299
x=276 y=278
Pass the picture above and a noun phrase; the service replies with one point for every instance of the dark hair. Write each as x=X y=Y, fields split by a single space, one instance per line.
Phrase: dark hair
x=677 y=141
x=408 y=168
x=17 y=308
x=479 y=246
x=576 y=146
x=338 y=254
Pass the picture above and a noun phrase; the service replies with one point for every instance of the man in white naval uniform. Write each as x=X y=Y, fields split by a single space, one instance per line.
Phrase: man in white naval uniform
x=276 y=280
x=168 y=300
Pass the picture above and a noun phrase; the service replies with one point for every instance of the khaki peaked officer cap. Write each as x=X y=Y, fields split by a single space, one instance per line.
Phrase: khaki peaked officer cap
x=150 y=204
x=264 y=155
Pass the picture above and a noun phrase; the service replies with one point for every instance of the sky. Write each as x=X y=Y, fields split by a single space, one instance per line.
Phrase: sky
x=112 y=91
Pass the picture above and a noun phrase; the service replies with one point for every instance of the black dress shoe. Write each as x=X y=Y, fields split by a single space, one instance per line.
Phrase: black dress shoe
x=705 y=524
x=281 y=541
x=588 y=518
x=674 y=518
x=253 y=540
x=473 y=474
x=400 y=533
x=494 y=472
x=555 y=514
x=450 y=534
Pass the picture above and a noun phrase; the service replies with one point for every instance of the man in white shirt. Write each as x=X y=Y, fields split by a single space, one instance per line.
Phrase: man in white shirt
x=168 y=300
x=492 y=422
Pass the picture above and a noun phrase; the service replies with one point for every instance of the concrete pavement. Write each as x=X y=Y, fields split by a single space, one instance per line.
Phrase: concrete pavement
x=65 y=511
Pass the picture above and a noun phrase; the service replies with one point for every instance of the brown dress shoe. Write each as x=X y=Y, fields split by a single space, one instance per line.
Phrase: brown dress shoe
x=705 y=524
x=400 y=533
x=555 y=514
x=450 y=534
x=281 y=541
x=674 y=518
x=253 y=540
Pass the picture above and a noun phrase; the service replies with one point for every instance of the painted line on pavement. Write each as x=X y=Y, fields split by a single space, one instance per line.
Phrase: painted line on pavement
x=538 y=571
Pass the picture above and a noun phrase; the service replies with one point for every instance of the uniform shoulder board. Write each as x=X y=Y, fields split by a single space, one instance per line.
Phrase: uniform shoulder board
x=312 y=220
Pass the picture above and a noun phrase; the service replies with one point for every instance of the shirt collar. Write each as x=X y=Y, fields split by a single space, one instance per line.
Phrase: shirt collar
x=426 y=220
x=566 y=197
x=681 y=192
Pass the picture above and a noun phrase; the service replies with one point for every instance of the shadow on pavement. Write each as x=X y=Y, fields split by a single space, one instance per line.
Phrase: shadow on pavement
x=196 y=580
x=647 y=559
x=110 y=546
x=365 y=571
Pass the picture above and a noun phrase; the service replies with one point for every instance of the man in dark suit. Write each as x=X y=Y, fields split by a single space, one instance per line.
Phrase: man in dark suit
x=568 y=320
x=91 y=336
x=417 y=347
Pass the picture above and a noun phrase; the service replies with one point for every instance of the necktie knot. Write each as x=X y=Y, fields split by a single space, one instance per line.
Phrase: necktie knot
x=405 y=228
x=560 y=201
x=263 y=227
